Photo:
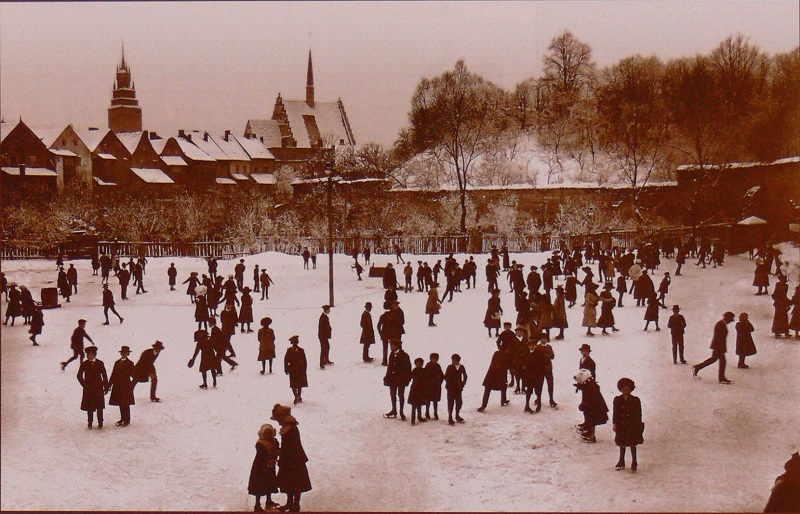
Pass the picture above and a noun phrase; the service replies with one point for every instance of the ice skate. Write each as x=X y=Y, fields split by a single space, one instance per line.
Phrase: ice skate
x=392 y=414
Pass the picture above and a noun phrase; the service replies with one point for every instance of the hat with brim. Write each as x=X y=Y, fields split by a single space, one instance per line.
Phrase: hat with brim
x=91 y=349
x=586 y=347
x=12 y=284
x=158 y=345
x=623 y=382
x=265 y=322
x=125 y=350
x=279 y=412
x=295 y=339
x=246 y=289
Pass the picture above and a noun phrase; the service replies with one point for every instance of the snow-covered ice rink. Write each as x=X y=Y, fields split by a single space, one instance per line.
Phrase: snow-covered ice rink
x=708 y=447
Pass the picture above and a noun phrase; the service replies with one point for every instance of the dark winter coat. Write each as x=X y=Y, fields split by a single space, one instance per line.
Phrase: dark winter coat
x=246 y=311
x=108 y=298
x=121 y=383
x=292 y=473
x=676 y=324
x=454 y=379
x=785 y=496
x=434 y=376
x=493 y=312
x=14 y=307
x=495 y=378
x=229 y=319
x=145 y=366
x=780 y=322
x=761 y=275
x=295 y=365
x=744 y=339
x=644 y=287
x=398 y=370
x=208 y=357
x=628 y=420
x=534 y=281
x=324 y=328
x=651 y=313
x=719 y=342
x=367 y=330
x=622 y=286
x=560 y=312
x=593 y=405
x=201 y=309
x=571 y=289
x=37 y=322
x=416 y=394
x=606 y=319
x=266 y=343
x=588 y=364
x=391 y=324
x=63 y=284
x=389 y=278
x=172 y=273
x=263 y=480
x=92 y=376
x=794 y=323
x=193 y=282
x=27 y=305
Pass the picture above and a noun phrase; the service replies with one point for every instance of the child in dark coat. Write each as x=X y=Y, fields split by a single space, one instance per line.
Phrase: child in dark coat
x=434 y=376
x=627 y=421
x=37 y=322
x=416 y=396
x=593 y=405
x=262 y=473
x=651 y=314
x=744 y=340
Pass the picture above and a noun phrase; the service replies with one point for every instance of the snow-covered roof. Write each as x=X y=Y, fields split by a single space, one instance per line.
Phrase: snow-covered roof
x=48 y=135
x=267 y=179
x=152 y=175
x=101 y=182
x=33 y=172
x=130 y=140
x=226 y=181
x=752 y=220
x=239 y=176
x=191 y=151
x=518 y=187
x=268 y=129
x=64 y=153
x=231 y=148
x=91 y=138
x=324 y=120
x=107 y=156
x=208 y=146
x=173 y=160
x=254 y=148
x=737 y=165
x=158 y=144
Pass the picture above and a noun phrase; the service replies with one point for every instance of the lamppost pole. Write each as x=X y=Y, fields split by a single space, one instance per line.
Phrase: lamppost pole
x=329 y=172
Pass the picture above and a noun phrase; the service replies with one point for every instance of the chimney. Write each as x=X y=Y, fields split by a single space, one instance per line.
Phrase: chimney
x=91 y=129
x=154 y=135
x=227 y=134
x=310 y=83
x=182 y=133
x=262 y=139
x=205 y=136
x=21 y=170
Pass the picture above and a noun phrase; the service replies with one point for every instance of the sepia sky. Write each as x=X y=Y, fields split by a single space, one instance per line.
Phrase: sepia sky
x=213 y=65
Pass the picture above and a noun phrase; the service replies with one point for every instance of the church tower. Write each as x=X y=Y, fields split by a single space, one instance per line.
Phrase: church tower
x=124 y=114
x=310 y=83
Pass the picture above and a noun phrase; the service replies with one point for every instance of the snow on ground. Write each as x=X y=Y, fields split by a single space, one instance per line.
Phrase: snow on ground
x=708 y=447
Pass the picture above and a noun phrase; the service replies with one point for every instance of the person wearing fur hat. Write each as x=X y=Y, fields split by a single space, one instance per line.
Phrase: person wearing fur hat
x=121 y=386
x=677 y=326
x=593 y=405
x=108 y=304
x=246 y=311
x=201 y=308
x=208 y=358
x=397 y=377
x=37 y=322
x=292 y=476
x=266 y=344
x=145 y=369
x=295 y=365
x=94 y=380
x=263 y=480
x=367 y=332
x=627 y=422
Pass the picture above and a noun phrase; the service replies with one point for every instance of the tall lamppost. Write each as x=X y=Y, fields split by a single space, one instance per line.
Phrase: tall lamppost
x=329 y=173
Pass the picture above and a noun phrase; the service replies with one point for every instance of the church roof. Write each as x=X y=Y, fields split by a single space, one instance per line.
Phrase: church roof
x=326 y=122
x=268 y=129
x=254 y=148
x=130 y=140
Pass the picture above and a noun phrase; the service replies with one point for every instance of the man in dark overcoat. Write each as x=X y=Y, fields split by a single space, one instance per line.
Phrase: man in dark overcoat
x=72 y=277
x=719 y=346
x=384 y=321
x=145 y=369
x=389 y=277
x=292 y=474
x=534 y=281
x=124 y=277
x=295 y=365
x=324 y=333
x=63 y=284
x=108 y=304
x=495 y=380
x=105 y=267
x=238 y=271
x=398 y=375
x=455 y=378
x=367 y=332
x=138 y=274
x=94 y=380
x=121 y=385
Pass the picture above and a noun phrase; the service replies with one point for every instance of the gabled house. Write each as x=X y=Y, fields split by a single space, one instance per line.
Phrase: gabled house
x=187 y=164
x=143 y=165
x=236 y=157
x=108 y=155
x=72 y=157
x=26 y=161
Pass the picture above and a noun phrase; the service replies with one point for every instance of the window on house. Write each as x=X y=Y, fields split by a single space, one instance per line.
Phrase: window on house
x=63 y=142
x=75 y=142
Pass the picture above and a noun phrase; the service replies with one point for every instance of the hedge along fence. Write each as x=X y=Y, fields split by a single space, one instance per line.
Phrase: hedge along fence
x=417 y=245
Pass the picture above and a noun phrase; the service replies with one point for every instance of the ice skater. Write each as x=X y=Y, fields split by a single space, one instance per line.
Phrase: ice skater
x=37 y=322
x=455 y=378
x=677 y=326
x=263 y=481
x=292 y=470
x=434 y=376
x=145 y=369
x=651 y=313
x=108 y=304
x=295 y=365
x=172 y=275
x=76 y=343
x=416 y=393
x=397 y=377
x=266 y=344
x=593 y=405
x=367 y=332
x=495 y=380
x=627 y=423
x=266 y=281
x=324 y=333
x=94 y=380
x=744 y=340
x=208 y=358
x=121 y=385
x=718 y=347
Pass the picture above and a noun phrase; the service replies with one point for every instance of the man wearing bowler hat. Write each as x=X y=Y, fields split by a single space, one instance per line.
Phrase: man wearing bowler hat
x=121 y=386
x=587 y=362
x=295 y=365
x=677 y=326
x=324 y=333
x=367 y=332
x=719 y=346
x=94 y=380
x=145 y=369
x=398 y=375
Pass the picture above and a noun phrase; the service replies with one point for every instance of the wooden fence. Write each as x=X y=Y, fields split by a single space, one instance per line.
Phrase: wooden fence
x=417 y=245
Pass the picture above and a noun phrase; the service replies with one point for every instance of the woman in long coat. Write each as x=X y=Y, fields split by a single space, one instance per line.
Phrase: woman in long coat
x=590 y=310
x=263 y=481
x=546 y=315
x=571 y=289
x=295 y=365
x=560 y=312
x=14 y=307
x=193 y=282
x=627 y=420
x=94 y=380
x=744 y=340
x=292 y=470
x=63 y=284
x=266 y=344
x=606 y=319
x=121 y=383
x=208 y=357
x=651 y=313
x=433 y=304
x=37 y=322
x=780 y=322
x=794 y=323
x=493 y=312
x=495 y=380
x=246 y=310
x=27 y=305
x=201 y=308
x=761 y=276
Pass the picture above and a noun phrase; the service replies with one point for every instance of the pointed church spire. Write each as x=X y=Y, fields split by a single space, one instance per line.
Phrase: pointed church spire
x=122 y=66
x=310 y=83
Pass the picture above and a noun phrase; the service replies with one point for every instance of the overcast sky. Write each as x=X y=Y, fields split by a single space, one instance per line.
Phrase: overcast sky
x=212 y=66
